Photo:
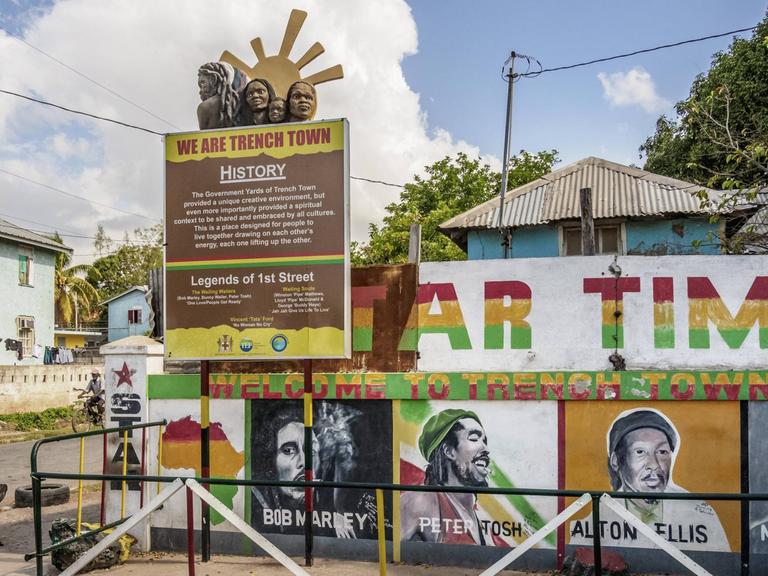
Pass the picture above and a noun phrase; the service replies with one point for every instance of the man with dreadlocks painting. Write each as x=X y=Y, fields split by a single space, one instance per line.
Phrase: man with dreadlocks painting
x=454 y=444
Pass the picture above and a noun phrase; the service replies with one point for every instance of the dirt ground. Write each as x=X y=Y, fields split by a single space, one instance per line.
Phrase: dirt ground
x=17 y=536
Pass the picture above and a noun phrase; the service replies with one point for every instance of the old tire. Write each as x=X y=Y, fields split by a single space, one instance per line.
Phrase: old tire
x=51 y=495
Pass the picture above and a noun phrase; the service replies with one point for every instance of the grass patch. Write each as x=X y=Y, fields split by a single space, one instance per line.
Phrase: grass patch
x=50 y=419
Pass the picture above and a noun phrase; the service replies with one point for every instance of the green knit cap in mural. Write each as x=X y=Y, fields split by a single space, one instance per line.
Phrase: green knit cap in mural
x=437 y=428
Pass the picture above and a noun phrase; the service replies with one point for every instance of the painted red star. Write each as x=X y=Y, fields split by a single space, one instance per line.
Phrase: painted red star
x=124 y=375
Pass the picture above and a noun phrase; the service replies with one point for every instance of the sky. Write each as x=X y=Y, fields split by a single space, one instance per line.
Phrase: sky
x=422 y=80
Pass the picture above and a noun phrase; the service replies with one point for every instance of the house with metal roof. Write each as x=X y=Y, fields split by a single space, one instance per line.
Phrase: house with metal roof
x=635 y=212
x=128 y=313
x=27 y=266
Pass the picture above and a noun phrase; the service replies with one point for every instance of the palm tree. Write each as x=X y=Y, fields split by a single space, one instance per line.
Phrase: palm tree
x=71 y=291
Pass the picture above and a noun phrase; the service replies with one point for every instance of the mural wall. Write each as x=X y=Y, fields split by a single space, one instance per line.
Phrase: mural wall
x=602 y=438
x=512 y=386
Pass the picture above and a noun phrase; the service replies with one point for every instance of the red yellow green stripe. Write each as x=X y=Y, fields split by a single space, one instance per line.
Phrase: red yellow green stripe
x=612 y=292
x=663 y=312
x=705 y=306
x=254 y=262
x=363 y=298
x=497 y=313
x=449 y=321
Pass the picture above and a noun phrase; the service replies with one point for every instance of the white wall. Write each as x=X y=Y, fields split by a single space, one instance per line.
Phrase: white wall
x=566 y=323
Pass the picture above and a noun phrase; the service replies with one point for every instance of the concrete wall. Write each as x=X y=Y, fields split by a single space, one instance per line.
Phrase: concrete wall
x=35 y=388
x=374 y=423
x=17 y=300
x=118 y=316
x=676 y=312
x=643 y=237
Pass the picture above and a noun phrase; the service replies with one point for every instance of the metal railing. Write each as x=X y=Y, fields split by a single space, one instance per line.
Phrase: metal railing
x=379 y=487
x=38 y=477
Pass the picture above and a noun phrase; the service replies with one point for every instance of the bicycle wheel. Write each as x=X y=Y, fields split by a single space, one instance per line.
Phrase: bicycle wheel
x=81 y=422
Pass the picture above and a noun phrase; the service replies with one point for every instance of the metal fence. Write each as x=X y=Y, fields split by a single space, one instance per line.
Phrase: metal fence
x=583 y=497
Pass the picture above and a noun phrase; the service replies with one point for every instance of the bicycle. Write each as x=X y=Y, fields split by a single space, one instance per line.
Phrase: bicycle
x=83 y=417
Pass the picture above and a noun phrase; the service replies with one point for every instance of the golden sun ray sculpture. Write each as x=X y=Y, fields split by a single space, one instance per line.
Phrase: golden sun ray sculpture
x=280 y=70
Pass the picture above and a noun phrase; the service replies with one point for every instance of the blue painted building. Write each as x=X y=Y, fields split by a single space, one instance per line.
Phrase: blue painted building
x=635 y=212
x=128 y=314
x=27 y=266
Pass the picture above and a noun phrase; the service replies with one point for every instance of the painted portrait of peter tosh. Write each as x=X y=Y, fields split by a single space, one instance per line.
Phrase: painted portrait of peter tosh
x=454 y=444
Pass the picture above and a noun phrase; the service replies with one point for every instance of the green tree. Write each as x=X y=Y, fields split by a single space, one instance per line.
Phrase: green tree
x=71 y=291
x=720 y=135
x=130 y=264
x=451 y=186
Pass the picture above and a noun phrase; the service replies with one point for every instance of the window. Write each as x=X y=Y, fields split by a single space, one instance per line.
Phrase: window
x=607 y=240
x=25 y=332
x=26 y=255
x=134 y=316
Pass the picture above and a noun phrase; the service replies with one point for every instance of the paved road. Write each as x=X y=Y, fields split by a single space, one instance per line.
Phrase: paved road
x=57 y=457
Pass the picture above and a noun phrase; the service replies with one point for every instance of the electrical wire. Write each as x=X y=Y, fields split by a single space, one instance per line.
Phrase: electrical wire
x=54 y=228
x=105 y=119
x=80 y=112
x=60 y=191
x=100 y=85
x=636 y=52
x=377 y=182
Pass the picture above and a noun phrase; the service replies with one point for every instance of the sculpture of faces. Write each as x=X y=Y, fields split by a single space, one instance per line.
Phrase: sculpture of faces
x=277 y=110
x=257 y=96
x=207 y=85
x=302 y=101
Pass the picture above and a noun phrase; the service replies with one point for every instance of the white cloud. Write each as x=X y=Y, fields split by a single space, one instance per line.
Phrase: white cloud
x=633 y=88
x=149 y=52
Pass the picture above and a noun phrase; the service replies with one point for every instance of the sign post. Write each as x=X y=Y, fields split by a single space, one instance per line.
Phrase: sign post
x=257 y=254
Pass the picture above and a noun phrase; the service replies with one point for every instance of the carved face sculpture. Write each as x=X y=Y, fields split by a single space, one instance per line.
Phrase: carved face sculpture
x=301 y=101
x=277 y=110
x=257 y=96
x=207 y=85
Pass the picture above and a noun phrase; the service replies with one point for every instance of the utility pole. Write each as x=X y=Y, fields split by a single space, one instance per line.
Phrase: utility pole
x=587 y=223
x=505 y=159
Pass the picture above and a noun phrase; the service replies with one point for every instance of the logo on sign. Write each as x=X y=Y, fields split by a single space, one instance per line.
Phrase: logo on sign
x=246 y=344
x=279 y=343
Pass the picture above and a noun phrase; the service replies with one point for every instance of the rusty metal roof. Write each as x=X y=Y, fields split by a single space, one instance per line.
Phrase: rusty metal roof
x=617 y=191
x=10 y=231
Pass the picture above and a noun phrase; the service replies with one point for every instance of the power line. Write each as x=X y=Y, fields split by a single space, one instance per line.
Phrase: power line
x=636 y=52
x=60 y=191
x=55 y=228
x=71 y=69
x=135 y=127
x=72 y=111
x=377 y=182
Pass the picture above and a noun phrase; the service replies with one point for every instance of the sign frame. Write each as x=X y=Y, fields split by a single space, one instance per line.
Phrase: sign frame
x=347 y=313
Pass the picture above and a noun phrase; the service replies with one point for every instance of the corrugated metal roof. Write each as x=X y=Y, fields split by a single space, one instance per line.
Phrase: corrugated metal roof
x=143 y=289
x=617 y=191
x=12 y=232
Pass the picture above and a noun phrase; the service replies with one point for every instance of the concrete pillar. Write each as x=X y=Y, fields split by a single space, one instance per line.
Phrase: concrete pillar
x=127 y=363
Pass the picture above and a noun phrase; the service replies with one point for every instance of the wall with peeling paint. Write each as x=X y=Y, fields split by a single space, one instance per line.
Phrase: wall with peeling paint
x=650 y=237
x=670 y=237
